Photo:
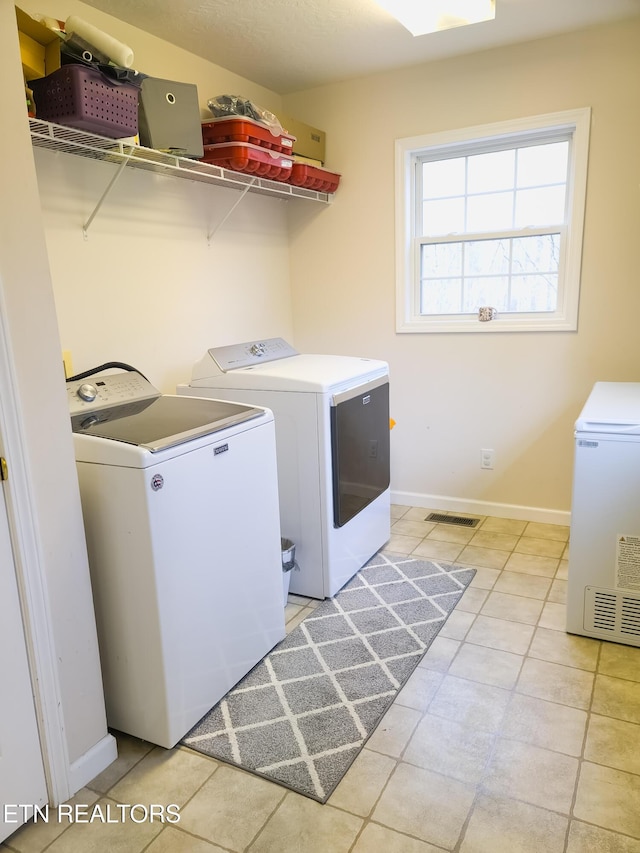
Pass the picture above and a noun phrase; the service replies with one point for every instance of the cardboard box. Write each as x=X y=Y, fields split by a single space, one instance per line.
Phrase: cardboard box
x=308 y=160
x=39 y=47
x=310 y=142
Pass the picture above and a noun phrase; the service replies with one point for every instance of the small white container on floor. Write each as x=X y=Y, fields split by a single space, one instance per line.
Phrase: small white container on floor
x=288 y=563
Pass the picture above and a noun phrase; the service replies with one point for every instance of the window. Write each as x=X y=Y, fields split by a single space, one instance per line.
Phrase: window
x=492 y=217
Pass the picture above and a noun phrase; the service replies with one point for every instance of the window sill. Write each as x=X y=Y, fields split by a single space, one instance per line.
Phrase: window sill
x=471 y=325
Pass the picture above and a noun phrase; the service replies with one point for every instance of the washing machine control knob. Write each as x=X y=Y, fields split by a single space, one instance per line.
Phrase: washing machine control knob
x=90 y=421
x=87 y=392
x=257 y=349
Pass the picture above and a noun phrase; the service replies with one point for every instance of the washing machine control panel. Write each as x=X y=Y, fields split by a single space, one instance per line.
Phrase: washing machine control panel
x=250 y=353
x=102 y=391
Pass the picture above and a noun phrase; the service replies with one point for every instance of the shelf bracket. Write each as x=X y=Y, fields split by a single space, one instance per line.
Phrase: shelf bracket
x=110 y=185
x=231 y=209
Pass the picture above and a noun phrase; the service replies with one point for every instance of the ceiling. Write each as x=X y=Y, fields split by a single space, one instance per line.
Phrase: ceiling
x=292 y=45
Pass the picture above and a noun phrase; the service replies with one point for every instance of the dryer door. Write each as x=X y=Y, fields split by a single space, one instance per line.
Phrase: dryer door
x=359 y=448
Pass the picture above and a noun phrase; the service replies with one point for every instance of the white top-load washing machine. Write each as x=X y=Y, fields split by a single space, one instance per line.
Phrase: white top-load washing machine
x=332 y=434
x=187 y=582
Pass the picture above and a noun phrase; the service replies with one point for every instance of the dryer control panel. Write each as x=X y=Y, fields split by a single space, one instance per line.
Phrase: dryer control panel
x=250 y=353
x=104 y=390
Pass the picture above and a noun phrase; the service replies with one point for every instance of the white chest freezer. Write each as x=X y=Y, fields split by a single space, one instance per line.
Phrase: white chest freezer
x=603 y=593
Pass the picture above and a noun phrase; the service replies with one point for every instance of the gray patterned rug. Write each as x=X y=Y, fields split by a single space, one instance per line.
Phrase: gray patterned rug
x=301 y=716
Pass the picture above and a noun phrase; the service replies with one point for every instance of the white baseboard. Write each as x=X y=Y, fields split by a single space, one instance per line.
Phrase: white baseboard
x=472 y=507
x=93 y=762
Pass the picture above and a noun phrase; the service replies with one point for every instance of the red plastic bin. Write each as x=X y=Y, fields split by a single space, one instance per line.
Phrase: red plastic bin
x=245 y=130
x=314 y=178
x=244 y=157
x=82 y=97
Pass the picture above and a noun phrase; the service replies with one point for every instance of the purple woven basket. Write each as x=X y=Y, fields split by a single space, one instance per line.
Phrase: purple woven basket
x=82 y=97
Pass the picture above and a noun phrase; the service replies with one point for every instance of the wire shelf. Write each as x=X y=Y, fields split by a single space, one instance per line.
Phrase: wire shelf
x=68 y=140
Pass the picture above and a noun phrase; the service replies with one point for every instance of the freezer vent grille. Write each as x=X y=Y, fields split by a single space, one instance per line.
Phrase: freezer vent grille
x=613 y=614
x=452 y=519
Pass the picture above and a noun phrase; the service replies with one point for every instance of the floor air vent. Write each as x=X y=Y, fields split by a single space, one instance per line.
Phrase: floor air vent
x=452 y=519
x=612 y=614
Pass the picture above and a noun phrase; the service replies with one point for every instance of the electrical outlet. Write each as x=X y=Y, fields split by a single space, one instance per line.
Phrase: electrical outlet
x=486 y=458
x=66 y=361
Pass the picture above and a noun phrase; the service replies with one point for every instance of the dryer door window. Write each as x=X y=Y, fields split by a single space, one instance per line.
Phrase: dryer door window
x=360 y=448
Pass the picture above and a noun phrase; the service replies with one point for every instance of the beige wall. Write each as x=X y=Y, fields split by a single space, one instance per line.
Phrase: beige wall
x=453 y=394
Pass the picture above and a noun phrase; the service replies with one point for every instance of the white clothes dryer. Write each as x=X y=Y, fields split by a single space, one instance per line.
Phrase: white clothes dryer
x=187 y=583
x=332 y=435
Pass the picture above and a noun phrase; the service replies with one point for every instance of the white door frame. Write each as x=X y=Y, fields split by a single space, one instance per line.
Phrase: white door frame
x=31 y=579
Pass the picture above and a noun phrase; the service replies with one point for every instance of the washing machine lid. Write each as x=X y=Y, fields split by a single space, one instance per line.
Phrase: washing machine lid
x=163 y=422
x=273 y=365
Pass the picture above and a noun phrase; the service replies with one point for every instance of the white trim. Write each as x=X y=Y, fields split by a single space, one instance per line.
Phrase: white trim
x=93 y=762
x=32 y=584
x=474 y=507
x=565 y=318
x=469 y=324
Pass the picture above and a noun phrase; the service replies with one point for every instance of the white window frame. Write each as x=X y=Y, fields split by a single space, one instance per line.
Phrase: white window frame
x=407 y=152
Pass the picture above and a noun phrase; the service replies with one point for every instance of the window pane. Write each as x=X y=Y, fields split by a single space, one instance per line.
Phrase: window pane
x=517 y=274
x=493 y=212
x=492 y=292
x=443 y=217
x=534 y=293
x=442 y=259
x=536 y=254
x=543 y=164
x=486 y=257
x=443 y=178
x=494 y=171
x=539 y=207
x=441 y=296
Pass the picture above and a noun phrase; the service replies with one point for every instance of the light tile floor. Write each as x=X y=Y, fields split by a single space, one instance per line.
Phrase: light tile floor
x=510 y=737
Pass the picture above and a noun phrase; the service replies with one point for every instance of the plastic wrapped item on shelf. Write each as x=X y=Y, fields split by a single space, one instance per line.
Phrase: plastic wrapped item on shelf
x=75 y=51
x=253 y=159
x=50 y=23
x=223 y=106
x=104 y=43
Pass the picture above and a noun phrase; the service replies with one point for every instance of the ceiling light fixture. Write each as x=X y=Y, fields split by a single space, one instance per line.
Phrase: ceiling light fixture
x=430 y=16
